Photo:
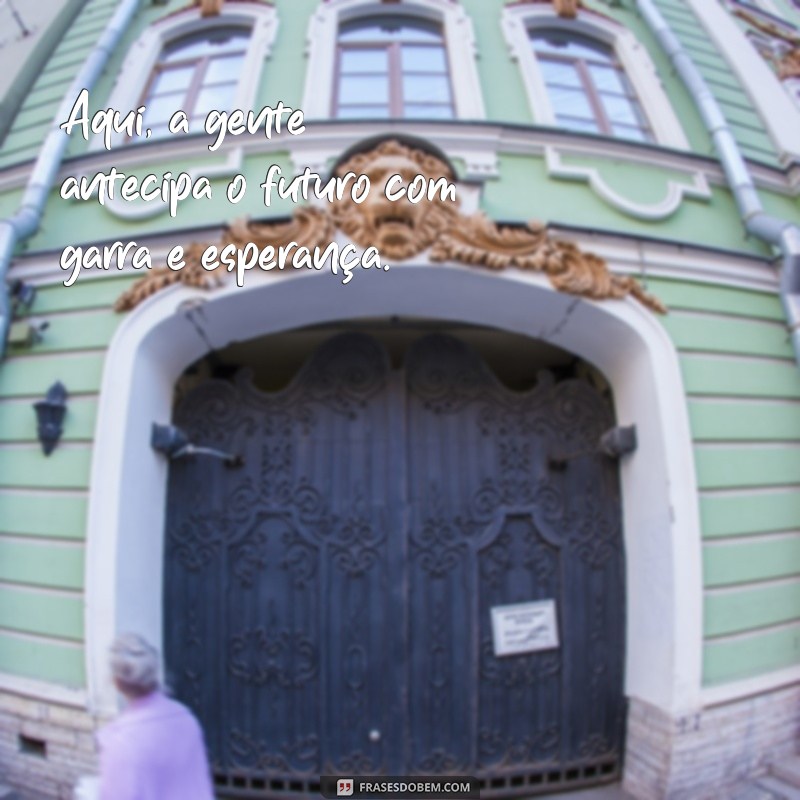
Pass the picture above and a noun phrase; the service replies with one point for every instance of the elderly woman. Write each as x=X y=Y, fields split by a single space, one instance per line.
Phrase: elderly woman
x=154 y=750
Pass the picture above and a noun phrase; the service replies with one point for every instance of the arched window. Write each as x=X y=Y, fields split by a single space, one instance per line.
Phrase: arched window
x=193 y=63
x=195 y=73
x=589 y=74
x=587 y=86
x=392 y=66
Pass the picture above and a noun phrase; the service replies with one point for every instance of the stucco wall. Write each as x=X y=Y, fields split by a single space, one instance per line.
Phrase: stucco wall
x=743 y=388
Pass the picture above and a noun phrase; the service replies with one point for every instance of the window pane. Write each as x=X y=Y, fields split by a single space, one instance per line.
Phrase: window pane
x=571 y=102
x=570 y=46
x=161 y=108
x=424 y=59
x=364 y=60
x=224 y=70
x=393 y=78
x=171 y=79
x=563 y=74
x=428 y=112
x=363 y=112
x=608 y=79
x=214 y=98
x=224 y=40
x=369 y=89
x=426 y=88
x=159 y=131
x=620 y=109
x=626 y=132
x=389 y=29
x=574 y=124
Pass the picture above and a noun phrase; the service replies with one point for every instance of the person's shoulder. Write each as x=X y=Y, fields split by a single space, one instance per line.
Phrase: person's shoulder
x=175 y=708
x=174 y=705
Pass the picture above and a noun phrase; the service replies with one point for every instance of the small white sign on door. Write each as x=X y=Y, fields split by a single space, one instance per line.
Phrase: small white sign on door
x=524 y=627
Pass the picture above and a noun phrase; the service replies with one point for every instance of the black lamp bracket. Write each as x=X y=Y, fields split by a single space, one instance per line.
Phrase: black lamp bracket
x=174 y=444
x=614 y=443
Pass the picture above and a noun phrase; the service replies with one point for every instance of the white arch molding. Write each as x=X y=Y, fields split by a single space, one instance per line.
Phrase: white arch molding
x=156 y=342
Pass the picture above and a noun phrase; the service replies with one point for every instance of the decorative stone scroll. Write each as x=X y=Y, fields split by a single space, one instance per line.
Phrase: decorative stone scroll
x=564 y=8
x=402 y=230
x=788 y=63
x=210 y=8
x=567 y=8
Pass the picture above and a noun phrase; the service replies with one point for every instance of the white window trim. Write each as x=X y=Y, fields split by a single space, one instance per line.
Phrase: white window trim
x=459 y=38
x=145 y=51
x=640 y=70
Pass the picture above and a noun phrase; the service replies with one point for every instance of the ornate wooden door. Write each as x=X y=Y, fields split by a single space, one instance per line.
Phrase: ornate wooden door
x=327 y=605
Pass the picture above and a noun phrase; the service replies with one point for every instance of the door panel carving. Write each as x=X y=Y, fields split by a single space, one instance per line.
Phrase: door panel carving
x=328 y=604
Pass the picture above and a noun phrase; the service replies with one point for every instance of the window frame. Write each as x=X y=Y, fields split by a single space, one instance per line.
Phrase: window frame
x=200 y=65
x=137 y=71
x=458 y=36
x=591 y=91
x=393 y=49
x=519 y=22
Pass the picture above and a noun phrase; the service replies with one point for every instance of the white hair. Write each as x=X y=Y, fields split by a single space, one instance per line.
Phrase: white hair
x=134 y=663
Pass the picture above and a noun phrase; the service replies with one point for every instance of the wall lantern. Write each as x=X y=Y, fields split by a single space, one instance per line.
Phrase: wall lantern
x=172 y=442
x=50 y=416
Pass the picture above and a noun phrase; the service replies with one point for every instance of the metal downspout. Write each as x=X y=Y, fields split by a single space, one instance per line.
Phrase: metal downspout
x=780 y=233
x=25 y=222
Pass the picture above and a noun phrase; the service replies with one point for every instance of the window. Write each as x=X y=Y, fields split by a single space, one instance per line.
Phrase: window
x=392 y=67
x=589 y=74
x=194 y=63
x=196 y=73
x=412 y=59
x=587 y=87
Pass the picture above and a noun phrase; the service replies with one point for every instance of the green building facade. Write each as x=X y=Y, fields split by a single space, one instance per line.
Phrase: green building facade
x=580 y=118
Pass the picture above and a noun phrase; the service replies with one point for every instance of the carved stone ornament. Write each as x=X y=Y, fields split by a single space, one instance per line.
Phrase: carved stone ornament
x=788 y=63
x=402 y=230
x=210 y=8
x=564 y=8
x=567 y=8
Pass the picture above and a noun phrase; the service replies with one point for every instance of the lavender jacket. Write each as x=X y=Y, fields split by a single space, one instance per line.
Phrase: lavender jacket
x=154 y=750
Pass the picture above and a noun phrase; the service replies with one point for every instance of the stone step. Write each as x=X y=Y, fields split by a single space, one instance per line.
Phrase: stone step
x=788 y=771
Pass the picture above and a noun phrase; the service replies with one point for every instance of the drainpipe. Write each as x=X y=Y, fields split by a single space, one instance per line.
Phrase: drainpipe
x=25 y=222
x=777 y=232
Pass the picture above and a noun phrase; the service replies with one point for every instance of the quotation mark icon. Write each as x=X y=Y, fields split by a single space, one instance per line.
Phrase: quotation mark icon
x=344 y=787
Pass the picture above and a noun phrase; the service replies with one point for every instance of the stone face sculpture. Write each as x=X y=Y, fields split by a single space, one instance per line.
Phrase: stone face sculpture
x=402 y=230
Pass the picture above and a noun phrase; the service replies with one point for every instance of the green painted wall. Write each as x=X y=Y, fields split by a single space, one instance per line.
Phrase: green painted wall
x=742 y=384
x=43 y=500
x=744 y=404
x=747 y=447
x=523 y=191
x=744 y=120
x=284 y=74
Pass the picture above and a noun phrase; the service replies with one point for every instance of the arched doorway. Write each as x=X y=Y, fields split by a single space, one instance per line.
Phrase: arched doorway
x=156 y=342
x=415 y=570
